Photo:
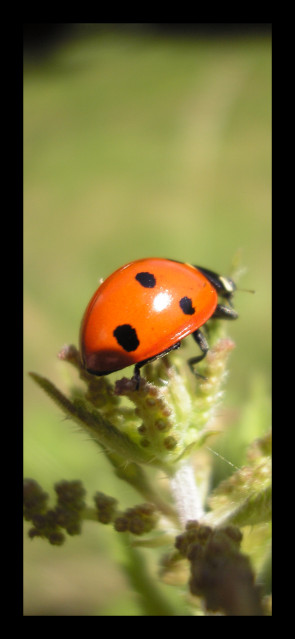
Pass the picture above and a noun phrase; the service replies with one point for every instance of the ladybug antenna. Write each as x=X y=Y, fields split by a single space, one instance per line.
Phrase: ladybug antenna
x=245 y=290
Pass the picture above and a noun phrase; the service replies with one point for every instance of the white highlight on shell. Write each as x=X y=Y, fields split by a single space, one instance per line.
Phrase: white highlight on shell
x=161 y=301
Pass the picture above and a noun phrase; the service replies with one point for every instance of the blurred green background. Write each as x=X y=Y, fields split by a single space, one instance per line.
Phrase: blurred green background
x=136 y=143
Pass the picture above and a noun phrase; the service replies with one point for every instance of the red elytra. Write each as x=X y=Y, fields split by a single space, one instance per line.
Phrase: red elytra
x=145 y=308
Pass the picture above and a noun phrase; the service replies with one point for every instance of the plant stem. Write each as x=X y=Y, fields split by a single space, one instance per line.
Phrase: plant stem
x=186 y=494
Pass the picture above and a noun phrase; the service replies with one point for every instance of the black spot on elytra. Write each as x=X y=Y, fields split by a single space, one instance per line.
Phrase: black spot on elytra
x=126 y=336
x=147 y=280
x=186 y=306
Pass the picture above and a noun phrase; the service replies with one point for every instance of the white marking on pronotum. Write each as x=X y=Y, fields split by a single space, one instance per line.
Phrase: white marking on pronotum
x=227 y=284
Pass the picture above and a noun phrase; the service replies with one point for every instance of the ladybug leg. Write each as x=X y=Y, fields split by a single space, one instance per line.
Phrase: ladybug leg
x=221 y=312
x=139 y=365
x=136 y=375
x=203 y=345
x=224 y=312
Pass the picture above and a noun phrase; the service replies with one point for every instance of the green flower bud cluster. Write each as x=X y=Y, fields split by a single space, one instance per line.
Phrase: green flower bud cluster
x=209 y=389
x=47 y=523
x=164 y=420
x=155 y=414
x=220 y=573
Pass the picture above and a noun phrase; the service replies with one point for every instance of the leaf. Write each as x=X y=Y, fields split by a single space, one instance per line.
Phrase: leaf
x=97 y=426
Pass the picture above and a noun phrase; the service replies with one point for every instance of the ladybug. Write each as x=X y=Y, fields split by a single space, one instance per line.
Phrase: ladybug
x=145 y=308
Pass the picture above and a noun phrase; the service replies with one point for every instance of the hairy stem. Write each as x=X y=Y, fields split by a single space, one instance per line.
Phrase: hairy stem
x=186 y=494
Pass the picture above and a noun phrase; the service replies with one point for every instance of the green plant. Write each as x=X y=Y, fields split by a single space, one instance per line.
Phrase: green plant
x=163 y=426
